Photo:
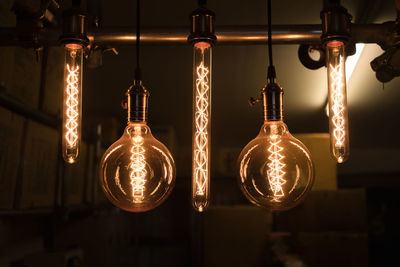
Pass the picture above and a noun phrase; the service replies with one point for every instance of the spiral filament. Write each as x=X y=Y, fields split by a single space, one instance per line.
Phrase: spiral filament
x=137 y=167
x=201 y=133
x=72 y=104
x=276 y=167
x=337 y=98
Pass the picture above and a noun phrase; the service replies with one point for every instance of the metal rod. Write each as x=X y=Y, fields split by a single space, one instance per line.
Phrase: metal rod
x=372 y=33
x=226 y=35
x=235 y=35
x=20 y=108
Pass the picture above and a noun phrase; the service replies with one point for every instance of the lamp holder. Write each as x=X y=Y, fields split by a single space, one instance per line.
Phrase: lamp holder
x=74 y=27
x=202 y=26
x=272 y=101
x=272 y=98
x=336 y=23
x=137 y=98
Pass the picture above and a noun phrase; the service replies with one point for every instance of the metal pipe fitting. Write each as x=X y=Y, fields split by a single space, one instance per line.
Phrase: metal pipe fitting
x=336 y=23
x=202 y=26
x=74 y=27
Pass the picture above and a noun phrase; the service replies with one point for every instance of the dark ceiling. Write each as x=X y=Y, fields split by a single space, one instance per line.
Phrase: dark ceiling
x=240 y=72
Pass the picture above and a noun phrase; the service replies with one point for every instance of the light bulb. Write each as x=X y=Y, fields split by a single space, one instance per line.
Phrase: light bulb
x=275 y=169
x=72 y=102
x=201 y=125
x=137 y=172
x=338 y=117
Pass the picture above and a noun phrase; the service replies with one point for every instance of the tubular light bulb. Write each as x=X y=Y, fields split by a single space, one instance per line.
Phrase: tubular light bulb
x=137 y=172
x=276 y=170
x=338 y=118
x=201 y=125
x=72 y=102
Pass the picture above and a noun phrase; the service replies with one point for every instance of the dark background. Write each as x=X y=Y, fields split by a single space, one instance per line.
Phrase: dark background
x=55 y=215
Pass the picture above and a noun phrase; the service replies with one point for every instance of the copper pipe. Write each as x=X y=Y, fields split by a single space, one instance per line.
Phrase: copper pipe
x=226 y=35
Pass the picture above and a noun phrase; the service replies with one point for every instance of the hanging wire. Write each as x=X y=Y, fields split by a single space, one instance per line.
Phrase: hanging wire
x=138 y=71
x=271 y=68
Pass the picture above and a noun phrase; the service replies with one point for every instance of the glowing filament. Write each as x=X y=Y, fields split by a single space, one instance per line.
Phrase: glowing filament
x=72 y=102
x=137 y=168
x=337 y=99
x=201 y=132
x=275 y=168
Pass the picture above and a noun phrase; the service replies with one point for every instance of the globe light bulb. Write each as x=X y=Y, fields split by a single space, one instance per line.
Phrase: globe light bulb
x=338 y=117
x=137 y=172
x=201 y=125
x=275 y=169
x=72 y=102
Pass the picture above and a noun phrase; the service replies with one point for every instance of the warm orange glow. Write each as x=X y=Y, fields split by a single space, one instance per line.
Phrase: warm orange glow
x=202 y=45
x=335 y=44
x=72 y=102
x=201 y=164
x=276 y=165
x=137 y=166
x=338 y=106
x=74 y=46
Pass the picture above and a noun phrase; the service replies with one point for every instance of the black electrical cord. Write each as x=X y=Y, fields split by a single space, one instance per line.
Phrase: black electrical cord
x=138 y=71
x=271 y=68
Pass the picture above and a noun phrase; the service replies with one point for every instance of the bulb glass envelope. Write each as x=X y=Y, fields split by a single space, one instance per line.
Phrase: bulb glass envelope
x=72 y=102
x=276 y=170
x=337 y=99
x=137 y=172
x=201 y=125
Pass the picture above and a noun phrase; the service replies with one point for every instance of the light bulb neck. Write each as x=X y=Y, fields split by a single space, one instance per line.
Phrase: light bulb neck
x=137 y=128
x=272 y=95
x=137 y=102
x=134 y=124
